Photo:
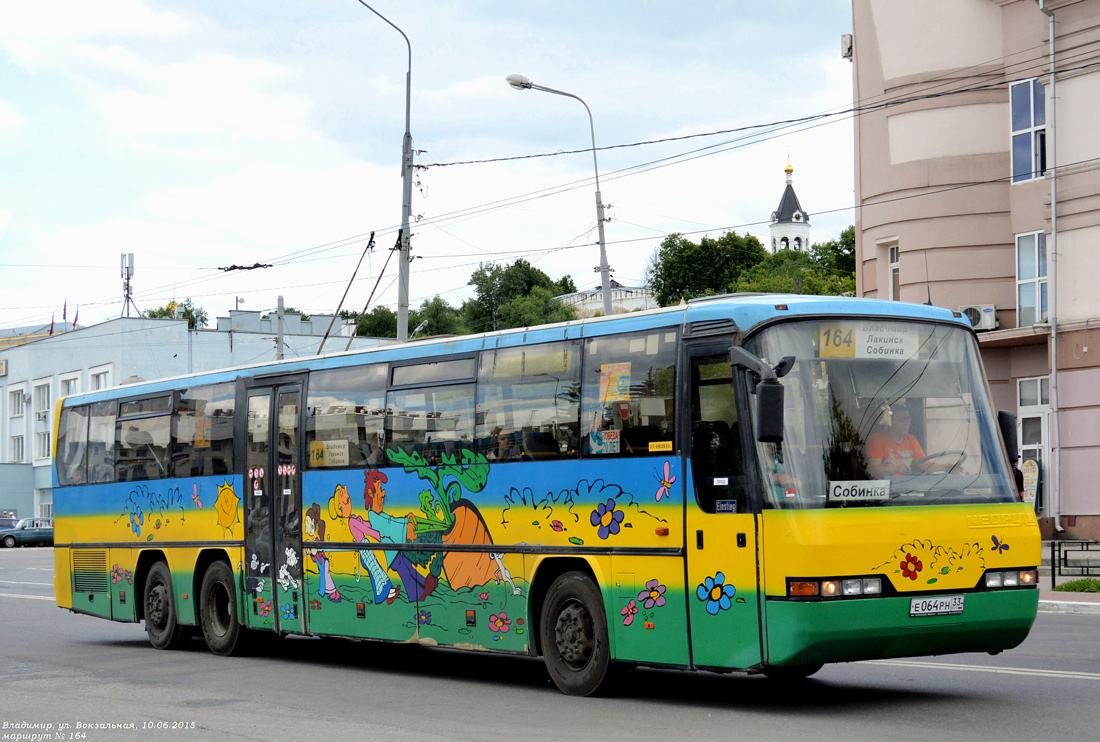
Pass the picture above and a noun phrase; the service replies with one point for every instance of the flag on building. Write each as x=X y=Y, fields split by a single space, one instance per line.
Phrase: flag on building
x=51 y=324
x=75 y=315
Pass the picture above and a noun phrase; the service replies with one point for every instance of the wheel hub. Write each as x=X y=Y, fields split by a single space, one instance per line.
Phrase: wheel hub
x=574 y=635
x=155 y=606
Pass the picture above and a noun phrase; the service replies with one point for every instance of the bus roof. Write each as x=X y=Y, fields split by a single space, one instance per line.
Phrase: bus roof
x=743 y=313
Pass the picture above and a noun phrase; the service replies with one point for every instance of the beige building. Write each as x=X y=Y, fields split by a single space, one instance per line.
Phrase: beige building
x=960 y=132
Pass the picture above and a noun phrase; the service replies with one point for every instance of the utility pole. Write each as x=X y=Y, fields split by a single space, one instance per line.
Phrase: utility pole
x=279 y=330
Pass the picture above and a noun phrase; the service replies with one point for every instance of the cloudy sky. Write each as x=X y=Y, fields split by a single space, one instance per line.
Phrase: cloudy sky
x=204 y=134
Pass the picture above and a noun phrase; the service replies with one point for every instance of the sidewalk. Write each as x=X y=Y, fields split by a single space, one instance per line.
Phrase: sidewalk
x=1052 y=601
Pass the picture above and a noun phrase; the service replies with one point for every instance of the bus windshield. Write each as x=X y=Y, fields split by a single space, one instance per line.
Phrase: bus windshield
x=878 y=413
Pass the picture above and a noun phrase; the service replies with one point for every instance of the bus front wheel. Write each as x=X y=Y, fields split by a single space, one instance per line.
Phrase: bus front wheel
x=574 y=635
x=218 y=610
x=161 y=625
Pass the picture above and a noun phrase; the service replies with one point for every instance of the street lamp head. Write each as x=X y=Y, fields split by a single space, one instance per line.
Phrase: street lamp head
x=519 y=82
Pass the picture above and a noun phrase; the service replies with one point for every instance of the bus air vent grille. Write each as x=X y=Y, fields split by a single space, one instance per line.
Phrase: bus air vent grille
x=712 y=327
x=90 y=572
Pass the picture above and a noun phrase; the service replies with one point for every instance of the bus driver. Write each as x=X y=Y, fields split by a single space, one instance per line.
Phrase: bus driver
x=892 y=451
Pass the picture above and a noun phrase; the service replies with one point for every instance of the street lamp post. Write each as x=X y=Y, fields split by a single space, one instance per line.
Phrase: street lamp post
x=519 y=82
x=406 y=195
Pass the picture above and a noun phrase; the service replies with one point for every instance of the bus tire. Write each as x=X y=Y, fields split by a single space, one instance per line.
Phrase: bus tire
x=218 y=610
x=161 y=623
x=573 y=628
x=790 y=673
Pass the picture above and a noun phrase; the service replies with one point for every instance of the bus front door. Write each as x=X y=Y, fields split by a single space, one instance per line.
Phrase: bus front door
x=273 y=497
x=723 y=604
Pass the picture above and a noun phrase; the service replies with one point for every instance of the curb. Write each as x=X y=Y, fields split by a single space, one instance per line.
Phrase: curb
x=1068 y=606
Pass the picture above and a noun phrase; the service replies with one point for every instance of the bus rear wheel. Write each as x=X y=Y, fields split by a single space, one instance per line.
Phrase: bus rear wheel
x=161 y=625
x=573 y=629
x=218 y=610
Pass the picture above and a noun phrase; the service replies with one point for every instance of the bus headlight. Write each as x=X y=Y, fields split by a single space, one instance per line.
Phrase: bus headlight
x=1012 y=578
x=841 y=587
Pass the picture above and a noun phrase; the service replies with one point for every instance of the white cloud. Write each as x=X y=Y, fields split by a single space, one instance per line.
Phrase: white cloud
x=11 y=120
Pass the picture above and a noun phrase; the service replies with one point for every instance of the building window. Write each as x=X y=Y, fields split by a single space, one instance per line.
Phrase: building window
x=1031 y=279
x=69 y=387
x=15 y=403
x=42 y=446
x=784 y=244
x=1029 y=152
x=101 y=380
x=42 y=398
x=16 y=450
x=895 y=273
x=1033 y=399
x=797 y=243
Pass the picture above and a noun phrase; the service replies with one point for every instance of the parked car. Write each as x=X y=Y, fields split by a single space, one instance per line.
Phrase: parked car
x=28 y=532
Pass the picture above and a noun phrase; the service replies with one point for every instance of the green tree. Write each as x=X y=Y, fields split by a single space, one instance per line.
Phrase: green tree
x=839 y=255
x=380 y=322
x=442 y=318
x=537 y=307
x=682 y=269
x=496 y=286
x=794 y=272
x=196 y=316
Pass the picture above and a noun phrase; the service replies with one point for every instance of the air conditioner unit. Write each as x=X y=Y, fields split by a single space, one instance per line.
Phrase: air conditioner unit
x=40 y=415
x=981 y=316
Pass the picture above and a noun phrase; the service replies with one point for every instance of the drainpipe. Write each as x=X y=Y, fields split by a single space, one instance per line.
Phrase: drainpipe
x=1056 y=464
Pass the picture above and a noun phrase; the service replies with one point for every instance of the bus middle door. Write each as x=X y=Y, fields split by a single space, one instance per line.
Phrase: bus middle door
x=723 y=604
x=273 y=531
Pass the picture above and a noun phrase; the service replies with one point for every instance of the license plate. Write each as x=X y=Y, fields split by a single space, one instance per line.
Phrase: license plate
x=945 y=605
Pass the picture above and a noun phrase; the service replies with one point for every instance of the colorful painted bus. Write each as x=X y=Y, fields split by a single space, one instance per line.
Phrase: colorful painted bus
x=702 y=487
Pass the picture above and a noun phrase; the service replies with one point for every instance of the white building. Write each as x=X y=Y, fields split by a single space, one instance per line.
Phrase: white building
x=790 y=227
x=35 y=374
x=623 y=299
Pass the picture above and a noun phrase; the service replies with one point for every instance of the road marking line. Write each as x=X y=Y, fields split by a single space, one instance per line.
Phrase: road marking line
x=28 y=597
x=984 y=668
x=20 y=582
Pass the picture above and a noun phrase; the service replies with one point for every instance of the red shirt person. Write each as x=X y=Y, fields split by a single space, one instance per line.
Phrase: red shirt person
x=893 y=451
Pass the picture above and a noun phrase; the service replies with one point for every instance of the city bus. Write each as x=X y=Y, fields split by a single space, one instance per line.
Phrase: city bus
x=694 y=487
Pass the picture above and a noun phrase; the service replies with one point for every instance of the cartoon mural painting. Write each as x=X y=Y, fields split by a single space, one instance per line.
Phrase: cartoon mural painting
x=921 y=563
x=315 y=531
x=361 y=529
x=226 y=506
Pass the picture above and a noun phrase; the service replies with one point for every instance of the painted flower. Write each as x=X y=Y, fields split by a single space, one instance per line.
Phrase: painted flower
x=717 y=594
x=116 y=573
x=289 y=613
x=653 y=595
x=129 y=576
x=607 y=519
x=499 y=622
x=628 y=612
x=424 y=618
x=911 y=566
x=315 y=605
x=483 y=596
x=265 y=606
x=666 y=482
x=136 y=521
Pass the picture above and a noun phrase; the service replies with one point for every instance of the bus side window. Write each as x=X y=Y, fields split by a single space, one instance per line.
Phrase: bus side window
x=202 y=431
x=345 y=417
x=528 y=402
x=101 y=443
x=629 y=391
x=72 y=446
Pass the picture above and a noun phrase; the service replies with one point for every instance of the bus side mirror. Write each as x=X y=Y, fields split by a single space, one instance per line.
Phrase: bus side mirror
x=1007 y=422
x=769 y=411
x=768 y=391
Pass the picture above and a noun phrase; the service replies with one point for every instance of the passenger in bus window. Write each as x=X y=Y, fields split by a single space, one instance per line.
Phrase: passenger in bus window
x=784 y=486
x=893 y=451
